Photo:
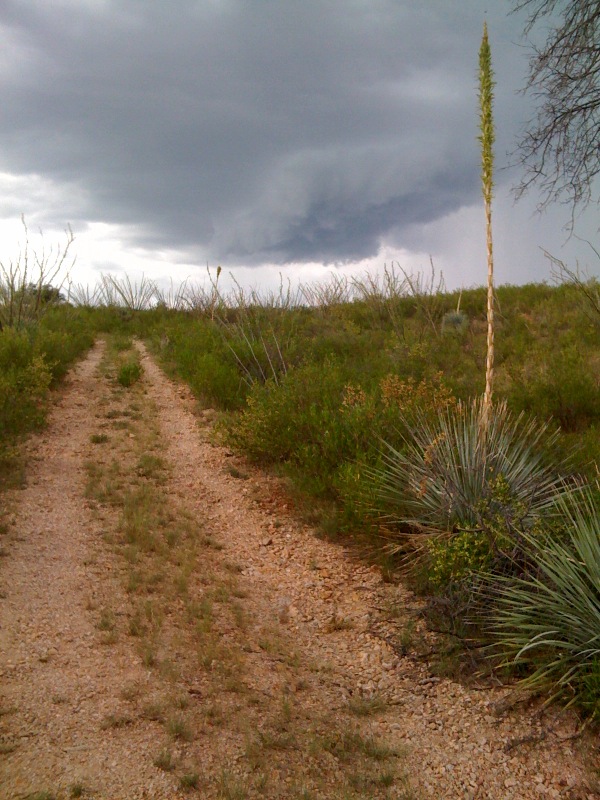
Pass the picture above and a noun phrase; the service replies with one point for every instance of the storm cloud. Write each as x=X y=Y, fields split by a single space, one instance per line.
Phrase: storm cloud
x=255 y=130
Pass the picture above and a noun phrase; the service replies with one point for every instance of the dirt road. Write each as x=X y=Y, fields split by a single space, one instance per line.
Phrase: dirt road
x=169 y=629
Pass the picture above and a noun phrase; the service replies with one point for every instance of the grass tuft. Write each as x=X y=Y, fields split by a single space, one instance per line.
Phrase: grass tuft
x=129 y=373
x=165 y=761
x=190 y=780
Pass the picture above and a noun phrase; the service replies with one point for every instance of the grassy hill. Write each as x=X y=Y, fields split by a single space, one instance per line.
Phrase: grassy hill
x=360 y=394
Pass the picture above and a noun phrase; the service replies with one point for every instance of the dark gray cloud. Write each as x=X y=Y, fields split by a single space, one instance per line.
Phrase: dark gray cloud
x=254 y=130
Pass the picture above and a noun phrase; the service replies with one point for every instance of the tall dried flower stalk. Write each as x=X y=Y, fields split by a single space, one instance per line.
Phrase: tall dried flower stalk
x=486 y=137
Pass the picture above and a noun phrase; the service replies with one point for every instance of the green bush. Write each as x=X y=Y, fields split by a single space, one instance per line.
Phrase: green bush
x=319 y=419
x=24 y=381
x=16 y=349
x=560 y=384
x=34 y=358
x=63 y=335
x=453 y=559
x=298 y=421
x=217 y=382
x=196 y=351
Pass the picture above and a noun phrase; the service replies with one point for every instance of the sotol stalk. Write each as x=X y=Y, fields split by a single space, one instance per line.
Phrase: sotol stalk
x=486 y=95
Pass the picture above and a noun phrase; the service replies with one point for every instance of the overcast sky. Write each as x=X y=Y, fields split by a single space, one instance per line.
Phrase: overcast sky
x=267 y=136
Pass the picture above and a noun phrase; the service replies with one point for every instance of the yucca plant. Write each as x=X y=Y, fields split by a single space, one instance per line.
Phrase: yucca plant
x=122 y=291
x=455 y=475
x=550 y=621
x=455 y=323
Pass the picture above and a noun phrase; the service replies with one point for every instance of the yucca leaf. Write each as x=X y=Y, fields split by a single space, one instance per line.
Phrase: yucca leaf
x=553 y=619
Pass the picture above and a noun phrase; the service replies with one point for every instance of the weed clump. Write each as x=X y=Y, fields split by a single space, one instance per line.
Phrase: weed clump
x=129 y=373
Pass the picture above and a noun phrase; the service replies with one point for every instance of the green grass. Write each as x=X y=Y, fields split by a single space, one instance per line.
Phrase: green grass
x=151 y=466
x=179 y=728
x=348 y=745
x=107 y=621
x=43 y=795
x=190 y=780
x=165 y=761
x=129 y=373
x=366 y=706
x=231 y=787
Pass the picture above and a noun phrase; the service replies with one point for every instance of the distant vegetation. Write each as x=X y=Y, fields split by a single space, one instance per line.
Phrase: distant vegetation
x=359 y=392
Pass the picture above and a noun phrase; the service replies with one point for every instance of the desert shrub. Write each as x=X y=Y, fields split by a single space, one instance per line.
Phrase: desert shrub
x=195 y=349
x=319 y=419
x=23 y=398
x=61 y=336
x=297 y=421
x=585 y=448
x=263 y=342
x=337 y=336
x=218 y=382
x=16 y=349
x=559 y=384
x=451 y=559
x=31 y=360
x=24 y=381
x=60 y=349
x=121 y=342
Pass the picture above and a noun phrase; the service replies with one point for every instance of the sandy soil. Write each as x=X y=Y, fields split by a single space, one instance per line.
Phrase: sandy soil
x=276 y=655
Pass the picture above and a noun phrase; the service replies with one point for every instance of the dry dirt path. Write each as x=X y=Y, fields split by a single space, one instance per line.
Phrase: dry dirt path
x=167 y=627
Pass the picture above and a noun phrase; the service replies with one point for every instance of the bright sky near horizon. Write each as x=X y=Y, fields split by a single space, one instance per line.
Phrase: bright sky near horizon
x=268 y=136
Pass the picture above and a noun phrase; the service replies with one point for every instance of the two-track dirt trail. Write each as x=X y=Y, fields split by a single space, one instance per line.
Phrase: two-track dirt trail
x=168 y=629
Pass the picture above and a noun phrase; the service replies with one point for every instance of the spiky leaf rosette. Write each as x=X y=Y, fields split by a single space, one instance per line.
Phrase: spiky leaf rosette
x=551 y=621
x=453 y=469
